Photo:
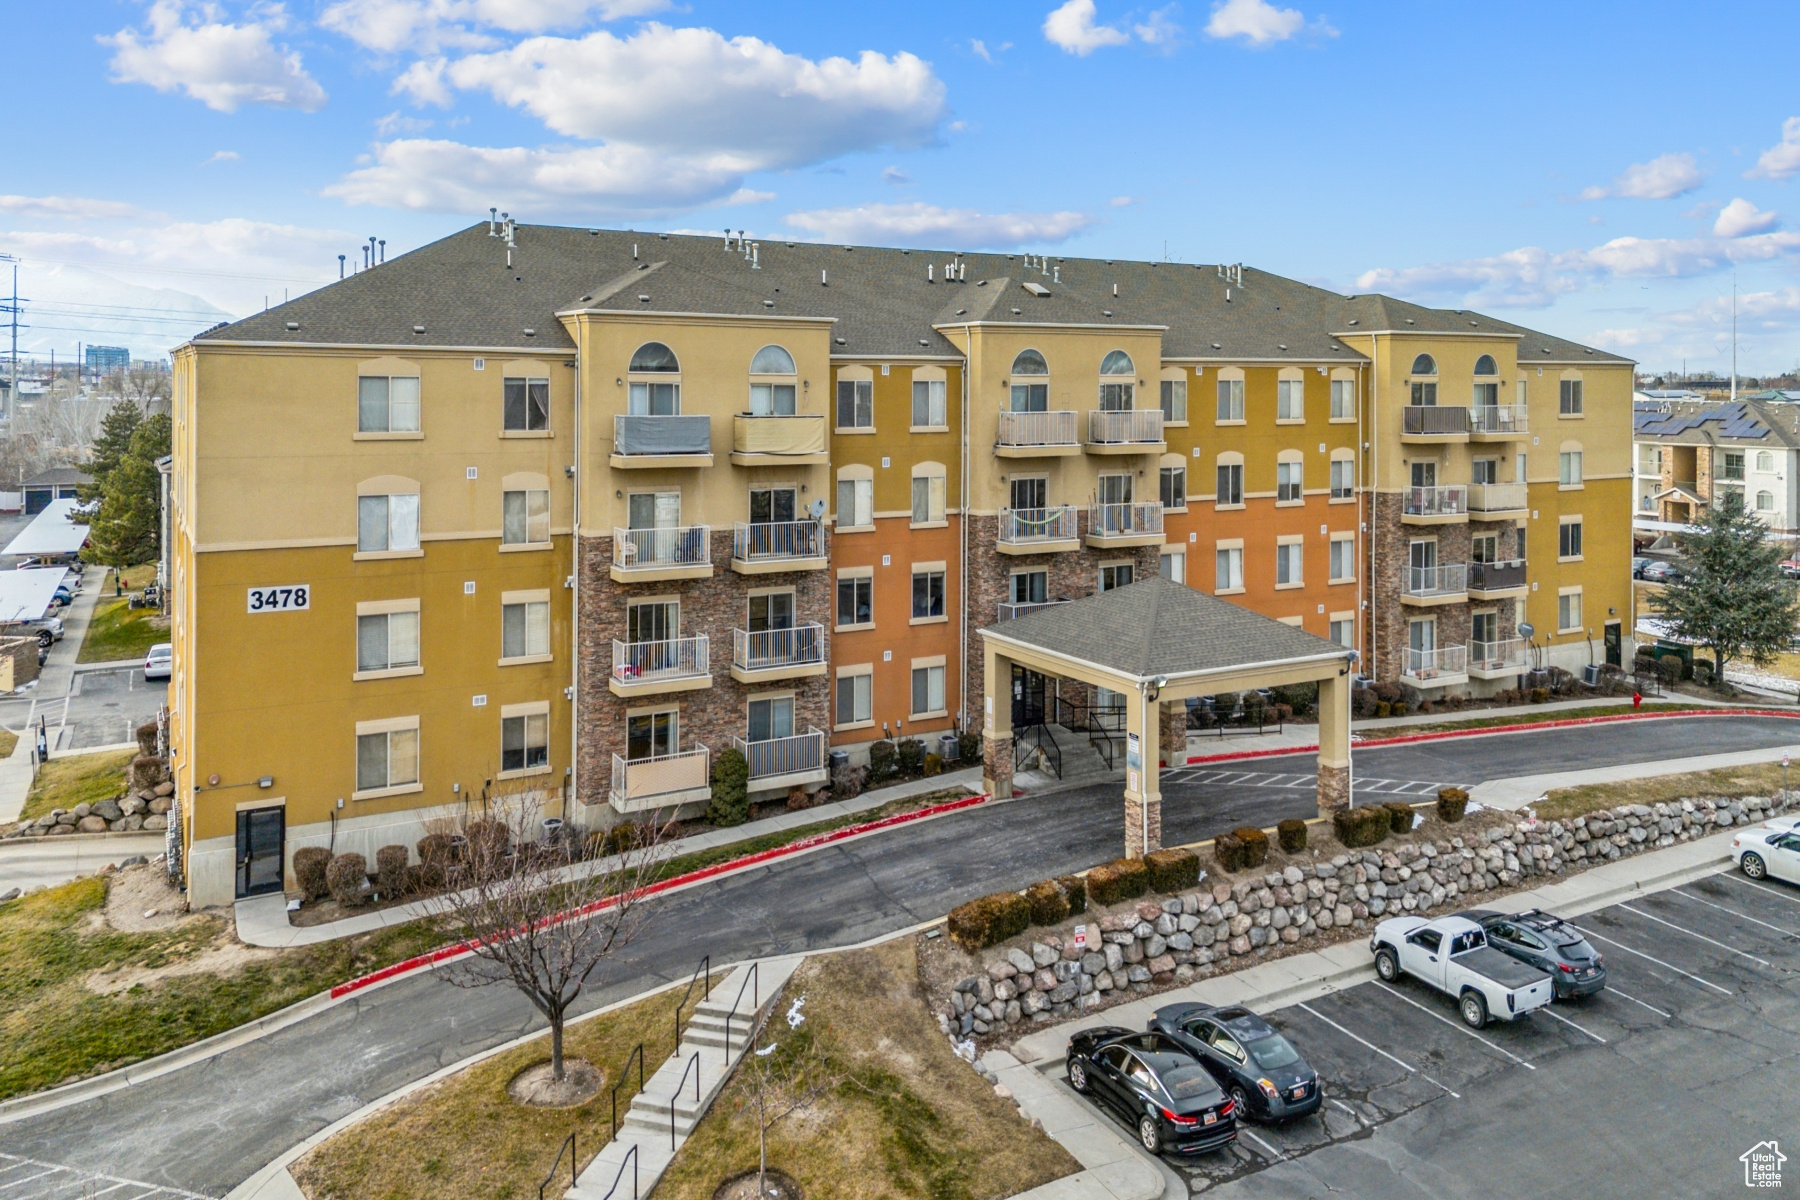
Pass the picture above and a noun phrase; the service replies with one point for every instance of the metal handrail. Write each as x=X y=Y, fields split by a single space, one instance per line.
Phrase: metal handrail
x=631 y=1156
x=637 y=1052
x=693 y=1064
x=752 y=977
x=569 y=1145
x=705 y=964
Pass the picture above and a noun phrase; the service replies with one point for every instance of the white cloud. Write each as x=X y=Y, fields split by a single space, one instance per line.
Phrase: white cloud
x=221 y=156
x=1072 y=27
x=428 y=26
x=66 y=206
x=1782 y=160
x=397 y=122
x=1662 y=178
x=979 y=49
x=895 y=176
x=1121 y=201
x=1256 y=21
x=223 y=66
x=424 y=82
x=1741 y=217
x=1159 y=28
x=919 y=222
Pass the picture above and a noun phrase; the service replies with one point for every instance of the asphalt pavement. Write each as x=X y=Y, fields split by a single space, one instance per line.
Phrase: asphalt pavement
x=207 y=1127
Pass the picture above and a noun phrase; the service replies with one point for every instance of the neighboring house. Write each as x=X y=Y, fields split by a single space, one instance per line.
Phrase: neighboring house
x=578 y=526
x=1689 y=454
x=57 y=483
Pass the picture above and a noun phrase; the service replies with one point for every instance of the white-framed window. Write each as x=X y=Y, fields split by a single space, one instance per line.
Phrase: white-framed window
x=387 y=523
x=1027 y=396
x=856 y=503
x=856 y=698
x=387 y=756
x=1287 y=483
x=525 y=629
x=927 y=690
x=1173 y=565
x=1343 y=559
x=1569 y=468
x=652 y=734
x=1231 y=400
x=1114 y=575
x=928 y=498
x=1343 y=478
x=1228 y=569
x=525 y=405
x=1568 y=612
x=928 y=407
x=525 y=741
x=1290 y=564
x=1765 y=461
x=1568 y=538
x=1028 y=587
x=1484 y=470
x=1733 y=467
x=1343 y=400
x=856 y=404
x=1174 y=487
x=1343 y=631
x=1174 y=400
x=855 y=601
x=771 y=399
x=387 y=404
x=525 y=518
x=1569 y=399
x=654 y=397
x=652 y=621
x=1117 y=396
x=1290 y=400
x=769 y=718
x=387 y=641
x=1231 y=483
x=928 y=594
x=1765 y=501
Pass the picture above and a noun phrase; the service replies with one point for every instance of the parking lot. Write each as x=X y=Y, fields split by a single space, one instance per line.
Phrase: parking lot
x=1655 y=1086
x=102 y=708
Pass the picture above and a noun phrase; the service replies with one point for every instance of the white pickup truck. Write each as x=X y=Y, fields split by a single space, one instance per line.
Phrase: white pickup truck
x=1452 y=955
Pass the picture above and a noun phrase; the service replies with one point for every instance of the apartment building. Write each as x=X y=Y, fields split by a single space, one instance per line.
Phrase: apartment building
x=1688 y=455
x=566 y=513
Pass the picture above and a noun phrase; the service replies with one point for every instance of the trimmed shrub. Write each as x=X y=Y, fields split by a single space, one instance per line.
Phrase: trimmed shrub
x=487 y=839
x=1292 y=834
x=1357 y=827
x=968 y=747
x=1121 y=879
x=1703 y=672
x=989 y=920
x=730 y=783
x=1075 y=889
x=1256 y=844
x=1400 y=816
x=1228 y=852
x=881 y=761
x=1049 y=903
x=309 y=871
x=934 y=765
x=1669 y=667
x=1451 y=804
x=390 y=870
x=347 y=876
x=1384 y=709
x=1172 y=871
x=1540 y=695
x=909 y=756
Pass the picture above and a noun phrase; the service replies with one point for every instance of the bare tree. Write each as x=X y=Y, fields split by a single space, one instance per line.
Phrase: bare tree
x=534 y=914
x=789 y=1075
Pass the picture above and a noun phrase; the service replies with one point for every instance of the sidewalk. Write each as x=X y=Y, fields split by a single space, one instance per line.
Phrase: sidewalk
x=1521 y=790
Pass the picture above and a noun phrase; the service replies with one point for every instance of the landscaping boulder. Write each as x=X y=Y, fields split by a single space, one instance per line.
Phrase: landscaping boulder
x=156 y=823
x=91 y=824
x=109 y=809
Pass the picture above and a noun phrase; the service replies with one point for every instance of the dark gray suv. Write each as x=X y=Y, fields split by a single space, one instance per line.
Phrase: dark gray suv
x=1548 y=943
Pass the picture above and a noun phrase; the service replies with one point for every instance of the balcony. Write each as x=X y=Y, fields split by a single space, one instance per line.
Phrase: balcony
x=1445 y=666
x=1498 y=422
x=653 y=668
x=788 y=762
x=1432 y=423
x=674 y=552
x=762 y=547
x=1435 y=506
x=1135 y=431
x=667 y=779
x=1115 y=525
x=1427 y=586
x=1497 y=580
x=1010 y=610
x=778 y=441
x=662 y=441
x=1497 y=660
x=1038 y=530
x=1037 y=434
x=762 y=655
x=1498 y=501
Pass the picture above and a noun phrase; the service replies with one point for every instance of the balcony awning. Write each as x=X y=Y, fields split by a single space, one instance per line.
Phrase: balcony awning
x=663 y=435
x=803 y=434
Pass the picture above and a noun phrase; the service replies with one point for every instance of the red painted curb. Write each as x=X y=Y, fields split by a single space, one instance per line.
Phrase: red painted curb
x=445 y=953
x=1244 y=755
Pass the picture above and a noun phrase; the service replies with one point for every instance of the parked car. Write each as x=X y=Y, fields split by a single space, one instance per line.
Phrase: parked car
x=1155 y=1083
x=1789 y=567
x=49 y=630
x=1658 y=571
x=160 y=661
x=1452 y=955
x=1771 y=853
x=1548 y=943
x=1258 y=1068
x=1638 y=564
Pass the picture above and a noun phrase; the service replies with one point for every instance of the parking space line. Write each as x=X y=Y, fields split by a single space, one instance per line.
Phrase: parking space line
x=1348 y=1109
x=1755 y=886
x=1558 y=1016
x=1613 y=991
x=86 y=1178
x=1452 y=1024
x=1734 y=913
x=1652 y=958
x=1279 y=1156
x=1371 y=1045
x=1700 y=936
x=12 y=1183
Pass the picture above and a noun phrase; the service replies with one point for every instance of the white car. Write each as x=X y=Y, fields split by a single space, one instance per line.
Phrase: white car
x=160 y=661
x=1772 y=852
x=1452 y=955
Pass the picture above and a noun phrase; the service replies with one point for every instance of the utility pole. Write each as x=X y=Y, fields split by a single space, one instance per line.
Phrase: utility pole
x=12 y=309
x=1733 y=334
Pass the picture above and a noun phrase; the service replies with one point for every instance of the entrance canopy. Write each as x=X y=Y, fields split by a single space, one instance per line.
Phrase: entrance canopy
x=1160 y=643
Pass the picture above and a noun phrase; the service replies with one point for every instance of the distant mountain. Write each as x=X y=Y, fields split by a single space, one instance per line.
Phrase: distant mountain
x=70 y=304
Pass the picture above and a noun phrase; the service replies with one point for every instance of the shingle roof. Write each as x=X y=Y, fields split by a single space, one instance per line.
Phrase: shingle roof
x=58 y=477
x=883 y=301
x=1160 y=627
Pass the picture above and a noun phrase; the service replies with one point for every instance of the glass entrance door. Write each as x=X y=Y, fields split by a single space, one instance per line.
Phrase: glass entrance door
x=261 y=833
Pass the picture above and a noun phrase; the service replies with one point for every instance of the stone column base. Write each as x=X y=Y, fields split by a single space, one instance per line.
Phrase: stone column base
x=1172 y=735
x=1334 y=789
x=1143 y=826
x=997 y=766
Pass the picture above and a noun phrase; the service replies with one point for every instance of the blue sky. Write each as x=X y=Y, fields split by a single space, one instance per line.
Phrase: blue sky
x=1596 y=170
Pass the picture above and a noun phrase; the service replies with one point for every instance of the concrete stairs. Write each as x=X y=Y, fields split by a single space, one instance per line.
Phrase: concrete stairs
x=1081 y=764
x=678 y=1095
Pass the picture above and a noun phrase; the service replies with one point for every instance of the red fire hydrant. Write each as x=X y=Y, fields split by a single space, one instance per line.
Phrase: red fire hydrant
x=1637 y=698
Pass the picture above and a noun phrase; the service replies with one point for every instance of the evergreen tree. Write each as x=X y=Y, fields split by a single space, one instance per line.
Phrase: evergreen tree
x=1730 y=597
x=113 y=444
x=127 y=529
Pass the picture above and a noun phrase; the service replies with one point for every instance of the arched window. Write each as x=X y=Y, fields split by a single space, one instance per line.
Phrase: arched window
x=1117 y=362
x=1765 y=461
x=1030 y=362
x=1765 y=501
x=1483 y=366
x=1424 y=365
x=770 y=360
x=654 y=356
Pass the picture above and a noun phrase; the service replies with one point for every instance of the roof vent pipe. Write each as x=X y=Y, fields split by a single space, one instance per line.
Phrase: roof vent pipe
x=634 y=251
x=1115 y=289
x=728 y=239
x=340 y=266
x=491 y=230
x=383 y=249
x=1056 y=275
x=929 y=268
x=823 y=282
x=756 y=256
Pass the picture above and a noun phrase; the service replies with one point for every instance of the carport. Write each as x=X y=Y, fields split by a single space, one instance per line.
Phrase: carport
x=1158 y=643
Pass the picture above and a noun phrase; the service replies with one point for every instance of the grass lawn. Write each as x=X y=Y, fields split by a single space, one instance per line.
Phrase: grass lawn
x=911 y=1120
x=7 y=741
x=57 y=1026
x=77 y=779
x=465 y=1137
x=120 y=631
x=1529 y=715
x=1761 y=779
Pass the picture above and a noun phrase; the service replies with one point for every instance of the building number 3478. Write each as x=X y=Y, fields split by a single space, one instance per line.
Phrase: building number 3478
x=290 y=598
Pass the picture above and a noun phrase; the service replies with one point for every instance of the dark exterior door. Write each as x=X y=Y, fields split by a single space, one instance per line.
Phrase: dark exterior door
x=261 y=833
x=1615 y=649
x=1028 y=698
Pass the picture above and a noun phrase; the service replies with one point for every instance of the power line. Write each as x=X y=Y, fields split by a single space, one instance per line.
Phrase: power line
x=148 y=269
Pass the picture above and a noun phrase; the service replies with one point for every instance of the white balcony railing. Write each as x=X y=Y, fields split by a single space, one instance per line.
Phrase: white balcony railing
x=1024 y=526
x=764 y=649
x=1431 y=664
x=1451 y=501
x=1498 y=418
x=1434 y=420
x=1011 y=609
x=1451 y=579
x=773 y=541
x=1505 y=655
x=661 y=662
x=784 y=756
x=1133 y=426
x=637 y=783
x=1037 y=429
x=1125 y=520
x=653 y=549
x=1496 y=497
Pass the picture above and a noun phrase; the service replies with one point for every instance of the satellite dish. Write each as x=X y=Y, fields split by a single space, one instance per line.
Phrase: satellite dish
x=1527 y=630
x=817 y=509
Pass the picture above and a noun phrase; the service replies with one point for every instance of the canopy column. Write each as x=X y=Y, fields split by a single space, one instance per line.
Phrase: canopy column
x=1143 y=788
x=996 y=724
x=1334 y=744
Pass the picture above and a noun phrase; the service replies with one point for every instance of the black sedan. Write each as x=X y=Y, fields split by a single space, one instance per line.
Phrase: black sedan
x=1157 y=1085
x=1547 y=943
x=1260 y=1069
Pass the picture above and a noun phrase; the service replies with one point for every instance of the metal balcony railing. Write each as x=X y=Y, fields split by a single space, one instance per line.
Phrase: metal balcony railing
x=1430 y=664
x=1505 y=655
x=772 y=541
x=1498 y=418
x=1011 y=609
x=1123 y=520
x=636 y=783
x=1451 y=501
x=661 y=662
x=785 y=755
x=1137 y=425
x=1023 y=526
x=662 y=435
x=1436 y=419
x=763 y=649
x=1497 y=576
x=1452 y=579
x=674 y=546
x=1496 y=497
x=1037 y=429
